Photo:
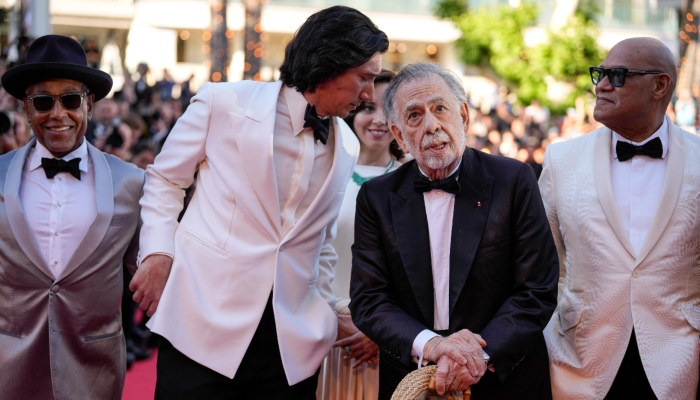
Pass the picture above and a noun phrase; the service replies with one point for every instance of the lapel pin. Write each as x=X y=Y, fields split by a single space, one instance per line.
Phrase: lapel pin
x=478 y=204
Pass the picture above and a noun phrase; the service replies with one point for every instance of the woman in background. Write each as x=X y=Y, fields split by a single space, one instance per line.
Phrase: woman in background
x=350 y=371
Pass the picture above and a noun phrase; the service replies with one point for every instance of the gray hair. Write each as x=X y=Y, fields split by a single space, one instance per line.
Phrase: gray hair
x=421 y=70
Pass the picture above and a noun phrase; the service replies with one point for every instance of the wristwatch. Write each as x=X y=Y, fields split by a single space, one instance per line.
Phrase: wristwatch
x=487 y=360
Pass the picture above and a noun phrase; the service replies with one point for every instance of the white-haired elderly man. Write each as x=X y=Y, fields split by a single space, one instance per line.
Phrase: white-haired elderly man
x=453 y=261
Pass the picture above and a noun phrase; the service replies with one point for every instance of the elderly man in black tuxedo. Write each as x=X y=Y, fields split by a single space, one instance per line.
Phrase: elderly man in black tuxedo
x=453 y=262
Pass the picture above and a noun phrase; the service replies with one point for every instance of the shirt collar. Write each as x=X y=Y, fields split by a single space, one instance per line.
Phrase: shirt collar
x=42 y=152
x=661 y=133
x=296 y=103
x=454 y=171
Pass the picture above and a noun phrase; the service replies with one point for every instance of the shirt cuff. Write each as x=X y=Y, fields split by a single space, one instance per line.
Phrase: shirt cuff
x=153 y=254
x=419 y=344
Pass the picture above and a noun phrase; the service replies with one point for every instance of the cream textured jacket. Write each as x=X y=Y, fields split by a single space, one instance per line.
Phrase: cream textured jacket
x=605 y=290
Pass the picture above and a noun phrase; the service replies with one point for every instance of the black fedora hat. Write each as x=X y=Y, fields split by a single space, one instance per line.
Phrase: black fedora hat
x=55 y=57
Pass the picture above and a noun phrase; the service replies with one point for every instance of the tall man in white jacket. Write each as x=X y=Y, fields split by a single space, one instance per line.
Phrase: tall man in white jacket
x=248 y=307
x=622 y=202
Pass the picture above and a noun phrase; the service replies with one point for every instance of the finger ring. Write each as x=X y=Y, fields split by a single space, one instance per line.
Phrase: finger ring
x=347 y=350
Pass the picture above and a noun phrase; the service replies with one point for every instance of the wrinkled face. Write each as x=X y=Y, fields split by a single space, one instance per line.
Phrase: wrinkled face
x=337 y=97
x=431 y=124
x=370 y=124
x=59 y=130
x=625 y=106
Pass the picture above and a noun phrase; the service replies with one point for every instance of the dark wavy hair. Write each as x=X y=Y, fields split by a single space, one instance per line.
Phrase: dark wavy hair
x=330 y=42
x=385 y=76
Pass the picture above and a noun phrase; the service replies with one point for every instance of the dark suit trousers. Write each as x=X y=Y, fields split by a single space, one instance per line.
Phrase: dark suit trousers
x=260 y=374
x=631 y=381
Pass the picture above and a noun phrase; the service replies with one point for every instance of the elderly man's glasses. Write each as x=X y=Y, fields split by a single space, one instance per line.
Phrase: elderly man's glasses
x=616 y=75
x=69 y=101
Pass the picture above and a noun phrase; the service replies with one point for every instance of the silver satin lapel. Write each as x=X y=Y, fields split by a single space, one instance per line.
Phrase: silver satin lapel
x=669 y=195
x=104 y=192
x=15 y=215
x=603 y=185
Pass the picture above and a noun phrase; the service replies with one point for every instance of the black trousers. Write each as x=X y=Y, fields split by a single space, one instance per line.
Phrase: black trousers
x=631 y=381
x=260 y=374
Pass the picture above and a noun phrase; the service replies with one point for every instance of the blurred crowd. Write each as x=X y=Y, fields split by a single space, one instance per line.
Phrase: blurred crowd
x=131 y=124
x=134 y=122
x=524 y=132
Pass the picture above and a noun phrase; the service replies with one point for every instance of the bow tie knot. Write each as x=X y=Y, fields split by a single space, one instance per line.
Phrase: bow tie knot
x=422 y=184
x=318 y=124
x=52 y=166
x=652 y=148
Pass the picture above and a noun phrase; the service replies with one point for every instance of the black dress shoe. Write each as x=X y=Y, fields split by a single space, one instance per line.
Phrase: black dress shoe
x=130 y=358
x=138 y=352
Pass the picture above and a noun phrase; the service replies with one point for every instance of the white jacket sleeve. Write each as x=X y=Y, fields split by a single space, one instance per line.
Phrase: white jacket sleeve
x=172 y=172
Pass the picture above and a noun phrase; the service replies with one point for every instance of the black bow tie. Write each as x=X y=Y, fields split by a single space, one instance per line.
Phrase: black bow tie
x=52 y=166
x=652 y=148
x=319 y=125
x=422 y=184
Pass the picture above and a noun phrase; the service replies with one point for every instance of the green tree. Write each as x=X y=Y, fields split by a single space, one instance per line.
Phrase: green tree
x=493 y=40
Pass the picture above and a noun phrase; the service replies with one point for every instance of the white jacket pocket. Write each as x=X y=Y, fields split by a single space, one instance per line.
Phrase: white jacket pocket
x=569 y=316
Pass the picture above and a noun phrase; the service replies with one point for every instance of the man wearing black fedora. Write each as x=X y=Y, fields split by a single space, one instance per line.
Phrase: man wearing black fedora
x=68 y=217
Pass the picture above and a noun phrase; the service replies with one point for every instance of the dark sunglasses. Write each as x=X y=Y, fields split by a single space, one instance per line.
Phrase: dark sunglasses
x=616 y=75
x=69 y=101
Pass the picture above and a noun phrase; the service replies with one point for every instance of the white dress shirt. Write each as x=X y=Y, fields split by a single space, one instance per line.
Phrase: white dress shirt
x=637 y=184
x=59 y=210
x=439 y=209
x=301 y=165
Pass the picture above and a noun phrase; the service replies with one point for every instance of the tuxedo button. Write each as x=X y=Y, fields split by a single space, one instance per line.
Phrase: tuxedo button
x=55 y=288
x=282 y=248
x=636 y=274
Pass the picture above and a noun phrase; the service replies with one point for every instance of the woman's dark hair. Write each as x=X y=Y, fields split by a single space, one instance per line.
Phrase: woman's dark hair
x=384 y=77
x=330 y=42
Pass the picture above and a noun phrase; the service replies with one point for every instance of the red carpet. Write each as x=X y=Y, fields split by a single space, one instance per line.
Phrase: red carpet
x=141 y=379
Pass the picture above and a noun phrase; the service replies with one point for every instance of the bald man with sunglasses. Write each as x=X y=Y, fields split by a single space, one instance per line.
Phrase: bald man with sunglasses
x=68 y=226
x=622 y=202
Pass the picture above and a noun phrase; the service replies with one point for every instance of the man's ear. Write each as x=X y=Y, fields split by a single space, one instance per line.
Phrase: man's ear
x=662 y=84
x=398 y=135
x=90 y=103
x=464 y=113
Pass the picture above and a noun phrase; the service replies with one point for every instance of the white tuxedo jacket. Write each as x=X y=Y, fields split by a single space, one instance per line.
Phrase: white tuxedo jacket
x=605 y=289
x=229 y=252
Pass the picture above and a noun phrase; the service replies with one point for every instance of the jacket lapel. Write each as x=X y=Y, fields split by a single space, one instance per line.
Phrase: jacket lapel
x=256 y=150
x=15 y=214
x=670 y=192
x=341 y=168
x=469 y=220
x=603 y=185
x=104 y=193
x=408 y=210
